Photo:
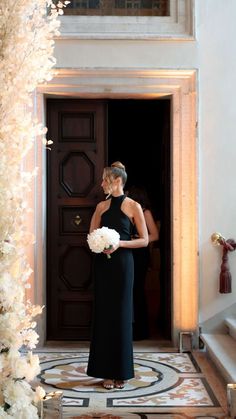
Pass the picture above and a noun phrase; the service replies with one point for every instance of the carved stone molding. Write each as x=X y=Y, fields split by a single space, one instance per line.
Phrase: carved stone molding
x=178 y=26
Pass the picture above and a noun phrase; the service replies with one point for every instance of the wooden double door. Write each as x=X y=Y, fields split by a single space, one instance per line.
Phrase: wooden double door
x=86 y=135
x=74 y=169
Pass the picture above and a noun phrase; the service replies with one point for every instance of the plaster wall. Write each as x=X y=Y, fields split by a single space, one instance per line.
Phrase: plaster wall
x=213 y=55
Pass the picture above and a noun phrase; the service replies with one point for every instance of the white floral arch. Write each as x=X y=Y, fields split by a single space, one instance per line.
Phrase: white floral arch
x=27 y=31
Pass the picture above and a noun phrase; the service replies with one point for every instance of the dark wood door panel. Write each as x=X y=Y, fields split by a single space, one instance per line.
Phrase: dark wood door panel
x=74 y=169
x=76 y=126
x=75 y=268
x=77 y=174
x=75 y=220
x=75 y=318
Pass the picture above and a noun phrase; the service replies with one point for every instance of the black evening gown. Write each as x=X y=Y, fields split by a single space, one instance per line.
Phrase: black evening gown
x=111 y=349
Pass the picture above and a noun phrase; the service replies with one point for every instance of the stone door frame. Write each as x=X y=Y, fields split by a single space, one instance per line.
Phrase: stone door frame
x=180 y=86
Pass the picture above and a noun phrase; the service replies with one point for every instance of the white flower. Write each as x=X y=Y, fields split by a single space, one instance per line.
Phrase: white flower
x=23 y=412
x=23 y=366
x=9 y=299
x=30 y=338
x=17 y=393
x=6 y=247
x=9 y=330
x=3 y=414
x=102 y=238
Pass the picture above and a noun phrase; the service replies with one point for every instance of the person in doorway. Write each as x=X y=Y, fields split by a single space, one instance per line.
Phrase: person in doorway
x=141 y=263
x=111 y=351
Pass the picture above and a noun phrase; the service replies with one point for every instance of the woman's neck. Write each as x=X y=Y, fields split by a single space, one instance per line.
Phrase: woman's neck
x=118 y=193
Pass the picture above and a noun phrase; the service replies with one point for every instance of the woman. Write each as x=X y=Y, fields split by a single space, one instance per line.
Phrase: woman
x=111 y=351
x=141 y=262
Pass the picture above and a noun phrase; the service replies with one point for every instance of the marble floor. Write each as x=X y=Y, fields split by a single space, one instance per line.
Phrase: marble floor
x=167 y=384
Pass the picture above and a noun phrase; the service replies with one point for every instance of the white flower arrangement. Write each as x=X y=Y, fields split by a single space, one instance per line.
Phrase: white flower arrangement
x=103 y=238
x=27 y=32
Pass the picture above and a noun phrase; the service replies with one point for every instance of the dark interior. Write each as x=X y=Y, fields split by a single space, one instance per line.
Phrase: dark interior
x=139 y=137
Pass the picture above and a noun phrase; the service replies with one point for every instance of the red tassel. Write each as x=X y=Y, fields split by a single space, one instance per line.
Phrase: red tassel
x=225 y=275
x=225 y=282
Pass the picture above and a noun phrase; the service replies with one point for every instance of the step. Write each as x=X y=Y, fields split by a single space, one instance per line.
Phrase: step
x=231 y=324
x=222 y=350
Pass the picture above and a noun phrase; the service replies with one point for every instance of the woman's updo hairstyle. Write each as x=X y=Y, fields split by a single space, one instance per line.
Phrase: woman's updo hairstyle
x=117 y=169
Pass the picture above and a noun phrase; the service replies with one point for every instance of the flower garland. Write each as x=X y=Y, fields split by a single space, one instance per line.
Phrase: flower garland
x=27 y=31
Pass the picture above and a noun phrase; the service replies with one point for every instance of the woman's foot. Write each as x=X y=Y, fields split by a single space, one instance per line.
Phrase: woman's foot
x=119 y=384
x=108 y=384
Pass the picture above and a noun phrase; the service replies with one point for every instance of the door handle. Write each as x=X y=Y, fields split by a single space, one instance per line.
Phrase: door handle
x=77 y=220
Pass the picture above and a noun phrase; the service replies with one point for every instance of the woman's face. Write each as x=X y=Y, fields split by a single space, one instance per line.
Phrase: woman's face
x=106 y=184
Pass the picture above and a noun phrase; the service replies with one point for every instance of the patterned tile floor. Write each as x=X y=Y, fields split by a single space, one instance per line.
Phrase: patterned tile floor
x=166 y=385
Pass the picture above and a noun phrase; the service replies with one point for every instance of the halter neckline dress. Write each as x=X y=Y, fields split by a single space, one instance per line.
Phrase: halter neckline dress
x=111 y=348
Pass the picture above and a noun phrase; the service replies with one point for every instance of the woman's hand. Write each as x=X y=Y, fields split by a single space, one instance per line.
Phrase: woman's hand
x=111 y=249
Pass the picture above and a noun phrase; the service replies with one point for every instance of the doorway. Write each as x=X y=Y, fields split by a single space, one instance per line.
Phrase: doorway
x=180 y=86
x=87 y=135
x=139 y=137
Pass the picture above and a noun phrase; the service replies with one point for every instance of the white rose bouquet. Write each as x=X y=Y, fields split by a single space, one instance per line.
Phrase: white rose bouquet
x=103 y=238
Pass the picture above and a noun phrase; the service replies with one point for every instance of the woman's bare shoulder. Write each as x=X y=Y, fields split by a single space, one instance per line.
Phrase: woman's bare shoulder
x=134 y=205
x=102 y=206
x=129 y=202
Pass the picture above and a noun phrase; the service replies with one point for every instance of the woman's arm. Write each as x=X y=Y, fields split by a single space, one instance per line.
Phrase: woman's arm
x=139 y=221
x=96 y=218
x=153 y=233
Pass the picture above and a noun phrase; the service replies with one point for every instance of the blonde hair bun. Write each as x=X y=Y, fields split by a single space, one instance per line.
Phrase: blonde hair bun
x=118 y=164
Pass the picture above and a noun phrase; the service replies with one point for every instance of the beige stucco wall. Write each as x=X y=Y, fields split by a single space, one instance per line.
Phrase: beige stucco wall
x=213 y=55
x=217 y=147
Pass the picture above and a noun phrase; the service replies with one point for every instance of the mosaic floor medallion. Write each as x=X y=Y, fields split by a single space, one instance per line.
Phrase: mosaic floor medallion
x=163 y=383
